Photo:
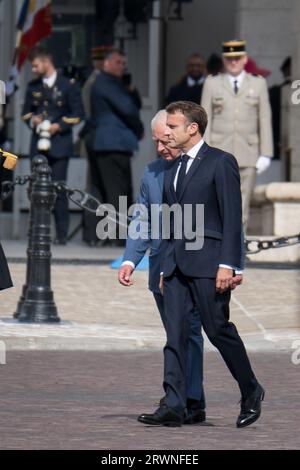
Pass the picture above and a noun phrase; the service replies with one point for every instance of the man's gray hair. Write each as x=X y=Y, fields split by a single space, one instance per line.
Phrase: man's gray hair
x=160 y=115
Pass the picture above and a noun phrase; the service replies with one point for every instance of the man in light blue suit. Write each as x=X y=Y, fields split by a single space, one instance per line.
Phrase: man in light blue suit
x=151 y=190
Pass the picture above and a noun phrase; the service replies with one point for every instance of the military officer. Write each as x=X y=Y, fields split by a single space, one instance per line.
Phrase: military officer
x=52 y=107
x=239 y=117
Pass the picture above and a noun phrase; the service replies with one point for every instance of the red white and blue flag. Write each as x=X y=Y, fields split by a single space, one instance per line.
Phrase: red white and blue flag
x=34 y=24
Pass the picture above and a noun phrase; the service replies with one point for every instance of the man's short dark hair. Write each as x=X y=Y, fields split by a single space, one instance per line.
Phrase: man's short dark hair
x=192 y=111
x=39 y=52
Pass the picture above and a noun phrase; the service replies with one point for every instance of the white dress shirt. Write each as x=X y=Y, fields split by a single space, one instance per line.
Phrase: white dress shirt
x=49 y=81
x=192 y=153
x=192 y=82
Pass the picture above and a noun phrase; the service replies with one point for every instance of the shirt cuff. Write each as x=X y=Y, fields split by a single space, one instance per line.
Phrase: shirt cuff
x=237 y=270
x=129 y=263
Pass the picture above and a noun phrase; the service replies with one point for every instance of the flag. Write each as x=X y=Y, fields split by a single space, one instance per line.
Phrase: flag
x=34 y=24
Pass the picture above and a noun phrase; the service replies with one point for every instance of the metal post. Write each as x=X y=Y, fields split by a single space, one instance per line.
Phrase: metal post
x=36 y=161
x=39 y=305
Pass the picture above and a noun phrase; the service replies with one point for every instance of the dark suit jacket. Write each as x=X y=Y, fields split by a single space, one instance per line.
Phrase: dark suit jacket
x=213 y=180
x=183 y=92
x=115 y=121
x=5 y=279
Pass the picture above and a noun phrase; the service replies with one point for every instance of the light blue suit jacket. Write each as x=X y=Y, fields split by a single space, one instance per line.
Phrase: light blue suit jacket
x=151 y=190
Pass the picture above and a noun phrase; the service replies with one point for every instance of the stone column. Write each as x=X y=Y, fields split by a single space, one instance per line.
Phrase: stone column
x=294 y=101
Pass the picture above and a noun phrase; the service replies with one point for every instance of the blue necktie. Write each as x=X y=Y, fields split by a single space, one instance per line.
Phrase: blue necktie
x=182 y=172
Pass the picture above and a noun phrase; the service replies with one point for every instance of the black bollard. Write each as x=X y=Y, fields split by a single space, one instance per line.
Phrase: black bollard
x=36 y=161
x=38 y=305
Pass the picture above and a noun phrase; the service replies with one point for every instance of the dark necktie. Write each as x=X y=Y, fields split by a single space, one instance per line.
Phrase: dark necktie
x=235 y=88
x=182 y=172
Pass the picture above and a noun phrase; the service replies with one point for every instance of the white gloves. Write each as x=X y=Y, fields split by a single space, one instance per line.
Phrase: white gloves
x=262 y=164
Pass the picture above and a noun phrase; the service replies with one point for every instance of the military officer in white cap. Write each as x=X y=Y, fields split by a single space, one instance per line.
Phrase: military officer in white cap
x=239 y=117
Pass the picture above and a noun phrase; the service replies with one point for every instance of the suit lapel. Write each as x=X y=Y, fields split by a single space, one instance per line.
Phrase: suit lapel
x=200 y=157
x=169 y=176
x=160 y=177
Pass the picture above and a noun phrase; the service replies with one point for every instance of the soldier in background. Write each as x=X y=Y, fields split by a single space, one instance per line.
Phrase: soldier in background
x=190 y=86
x=239 y=117
x=54 y=102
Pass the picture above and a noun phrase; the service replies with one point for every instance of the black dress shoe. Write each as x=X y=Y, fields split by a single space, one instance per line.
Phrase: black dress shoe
x=251 y=408
x=163 y=416
x=194 y=416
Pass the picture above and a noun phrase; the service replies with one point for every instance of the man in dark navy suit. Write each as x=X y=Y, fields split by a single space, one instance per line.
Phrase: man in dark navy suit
x=56 y=100
x=113 y=132
x=200 y=263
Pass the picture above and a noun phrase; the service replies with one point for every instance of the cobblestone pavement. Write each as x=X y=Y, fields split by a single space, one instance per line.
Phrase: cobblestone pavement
x=90 y=400
x=81 y=384
x=99 y=314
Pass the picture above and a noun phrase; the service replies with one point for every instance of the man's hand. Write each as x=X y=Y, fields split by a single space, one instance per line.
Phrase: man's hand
x=36 y=120
x=224 y=279
x=161 y=284
x=54 y=128
x=124 y=274
x=237 y=280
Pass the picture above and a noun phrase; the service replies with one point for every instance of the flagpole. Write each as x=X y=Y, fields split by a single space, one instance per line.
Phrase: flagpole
x=17 y=105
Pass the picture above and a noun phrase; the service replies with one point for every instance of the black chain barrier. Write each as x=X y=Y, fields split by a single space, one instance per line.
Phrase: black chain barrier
x=90 y=203
x=36 y=303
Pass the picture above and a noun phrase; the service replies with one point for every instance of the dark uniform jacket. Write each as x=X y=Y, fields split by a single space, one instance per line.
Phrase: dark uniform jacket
x=60 y=104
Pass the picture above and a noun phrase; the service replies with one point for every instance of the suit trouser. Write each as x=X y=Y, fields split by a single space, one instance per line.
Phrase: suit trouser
x=248 y=177
x=59 y=167
x=214 y=311
x=194 y=372
x=110 y=178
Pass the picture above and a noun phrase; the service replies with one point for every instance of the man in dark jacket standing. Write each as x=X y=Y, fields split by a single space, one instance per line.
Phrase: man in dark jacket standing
x=114 y=131
x=190 y=86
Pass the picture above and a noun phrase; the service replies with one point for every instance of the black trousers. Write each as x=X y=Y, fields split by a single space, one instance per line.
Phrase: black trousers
x=59 y=167
x=214 y=313
x=110 y=178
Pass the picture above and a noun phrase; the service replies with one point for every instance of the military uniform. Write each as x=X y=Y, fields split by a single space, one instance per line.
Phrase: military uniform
x=59 y=104
x=239 y=123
